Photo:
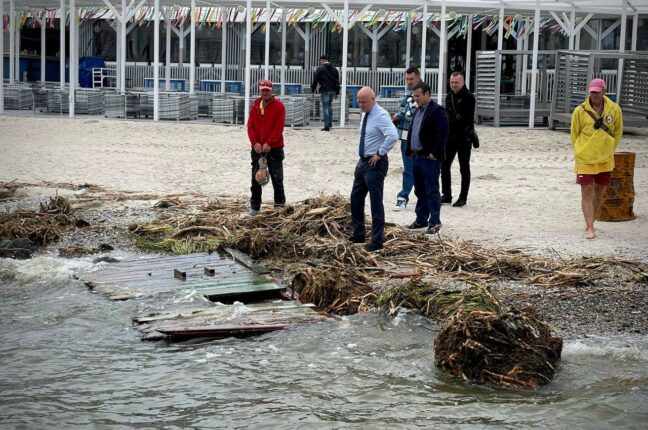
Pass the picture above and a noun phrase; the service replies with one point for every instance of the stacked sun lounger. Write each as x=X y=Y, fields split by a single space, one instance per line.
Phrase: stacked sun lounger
x=58 y=101
x=39 y=93
x=175 y=106
x=296 y=110
x=18 y=97
x=391 y=105
x=89 y=102
x=222 y=109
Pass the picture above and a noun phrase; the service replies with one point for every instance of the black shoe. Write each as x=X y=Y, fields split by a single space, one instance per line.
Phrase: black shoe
x=434 y=229
x=459 y=203
x=326 y=129
x=357 y=239
x=446 y=199
x=415 y=225
x=371 y=247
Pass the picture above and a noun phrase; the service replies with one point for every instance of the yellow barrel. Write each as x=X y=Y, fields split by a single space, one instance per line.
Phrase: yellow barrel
x=619 y=196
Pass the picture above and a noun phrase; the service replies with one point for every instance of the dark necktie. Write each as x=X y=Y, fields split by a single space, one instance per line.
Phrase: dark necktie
x=363 y=131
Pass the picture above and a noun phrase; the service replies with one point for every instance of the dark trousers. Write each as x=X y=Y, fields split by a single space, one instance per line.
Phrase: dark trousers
x=426 y=187
x=369 y=180
x=461 y=148
x=275 y=168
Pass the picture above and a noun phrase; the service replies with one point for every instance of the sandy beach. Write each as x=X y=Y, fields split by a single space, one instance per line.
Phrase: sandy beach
x=523 y=192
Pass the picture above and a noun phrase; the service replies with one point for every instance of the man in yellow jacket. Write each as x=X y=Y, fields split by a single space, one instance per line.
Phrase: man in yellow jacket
x=596 y=128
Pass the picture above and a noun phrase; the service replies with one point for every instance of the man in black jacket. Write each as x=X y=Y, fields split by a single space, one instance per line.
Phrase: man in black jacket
x=329 y=86
x=460 y=104
x=426 y=143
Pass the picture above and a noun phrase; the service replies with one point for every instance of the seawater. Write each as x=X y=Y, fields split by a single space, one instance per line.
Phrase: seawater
x=70 y=358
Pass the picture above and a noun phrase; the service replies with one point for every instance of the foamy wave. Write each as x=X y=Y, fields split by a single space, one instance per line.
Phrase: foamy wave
x=625 y=349
x=40 y=268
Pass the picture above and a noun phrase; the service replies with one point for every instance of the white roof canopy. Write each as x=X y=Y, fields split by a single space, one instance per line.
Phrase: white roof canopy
x=598 y=7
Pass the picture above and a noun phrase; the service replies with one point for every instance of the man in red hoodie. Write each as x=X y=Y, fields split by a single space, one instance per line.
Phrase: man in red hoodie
x=265 y=131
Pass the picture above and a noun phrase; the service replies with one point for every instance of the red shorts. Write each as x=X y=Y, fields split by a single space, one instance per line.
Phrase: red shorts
x=603 y=178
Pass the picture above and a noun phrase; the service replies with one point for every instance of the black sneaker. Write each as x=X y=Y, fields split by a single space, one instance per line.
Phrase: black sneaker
x=459 y=203
x=372 y=247
x=446 y=199
x=357 y=239
x=326 y=129
x=434 y=229
x=415 y=225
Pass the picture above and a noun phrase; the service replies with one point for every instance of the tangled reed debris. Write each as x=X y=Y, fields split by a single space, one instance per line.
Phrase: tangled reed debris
x=339 y=290
x=41 y=227
x=481 y=340
x=437 y=303
x=513 y=349
x=317 y=230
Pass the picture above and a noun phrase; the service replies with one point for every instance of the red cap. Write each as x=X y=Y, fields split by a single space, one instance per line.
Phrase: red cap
x=596 y=85
x=265 y=84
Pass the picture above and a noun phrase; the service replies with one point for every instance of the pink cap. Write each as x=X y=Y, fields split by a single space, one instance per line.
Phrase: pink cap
x=596 y=85
x=265 y=84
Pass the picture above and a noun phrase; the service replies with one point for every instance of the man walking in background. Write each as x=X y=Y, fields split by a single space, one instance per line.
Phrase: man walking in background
x=377 y=136
x=460 y=104
x=328 y=79
x=403 y=120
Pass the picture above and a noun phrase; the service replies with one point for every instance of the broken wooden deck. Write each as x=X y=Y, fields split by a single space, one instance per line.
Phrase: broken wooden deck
x=249 y=300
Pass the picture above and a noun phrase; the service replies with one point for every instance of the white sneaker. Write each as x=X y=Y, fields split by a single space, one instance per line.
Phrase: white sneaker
x=401 y=205
x=253 y=212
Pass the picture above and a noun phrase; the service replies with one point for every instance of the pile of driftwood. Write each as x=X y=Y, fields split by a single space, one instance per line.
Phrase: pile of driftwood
x=480 y=339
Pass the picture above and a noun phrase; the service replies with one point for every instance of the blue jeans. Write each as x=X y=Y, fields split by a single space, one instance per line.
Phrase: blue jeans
x=327 y=108
x=369 y=179
x=426 y=187
x=408 y=178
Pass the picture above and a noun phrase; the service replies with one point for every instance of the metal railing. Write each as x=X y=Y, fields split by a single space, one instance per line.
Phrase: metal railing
x=137 y=73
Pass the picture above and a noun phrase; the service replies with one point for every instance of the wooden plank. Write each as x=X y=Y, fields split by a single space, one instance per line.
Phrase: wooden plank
x=219 y=331
x=247 y=261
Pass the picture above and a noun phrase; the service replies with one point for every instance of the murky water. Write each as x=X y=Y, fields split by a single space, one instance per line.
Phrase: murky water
x=70 y=359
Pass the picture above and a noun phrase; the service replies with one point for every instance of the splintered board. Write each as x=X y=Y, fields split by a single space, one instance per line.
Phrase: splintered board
x=214 y=276
x=225 y=320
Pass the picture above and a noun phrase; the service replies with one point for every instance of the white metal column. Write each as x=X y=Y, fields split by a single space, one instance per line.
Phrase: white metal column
x=525 y=60
x=534 y=67
x=284 y=17
x=224 y=51
x=266 y=73
x=122 y=43
x=2 y=57
x=167 y=62
x=572 y=26
x=74 y=56
x=469 y=50
x=500 y=29
x=156 y=61
x=345 y=53
x=12 y=41
x=248 y=45
x=192 y=49
x=42 y=22
x=622 y=45
x=423 y=38
x=62 y=44
x=442 y=45
x=635 y=27
x=408 y=41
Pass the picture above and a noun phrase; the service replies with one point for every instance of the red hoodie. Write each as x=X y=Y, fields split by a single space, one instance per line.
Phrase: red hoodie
x=267 y=127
